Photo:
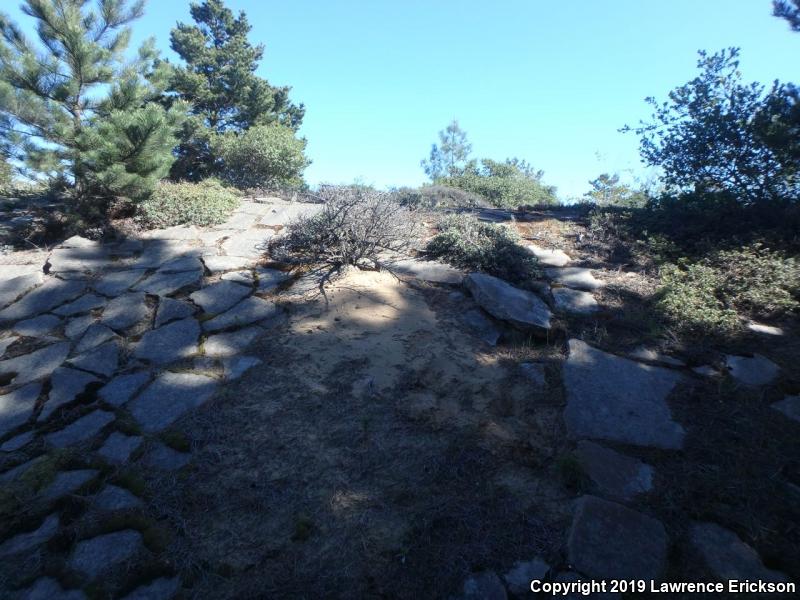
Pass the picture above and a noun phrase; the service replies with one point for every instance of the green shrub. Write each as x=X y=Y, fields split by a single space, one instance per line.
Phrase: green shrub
x=205 y=203
x=261 y=157
x=438 y=196
x=698 y=224
x=508 y=185
x=714 y=294
x=468 y=243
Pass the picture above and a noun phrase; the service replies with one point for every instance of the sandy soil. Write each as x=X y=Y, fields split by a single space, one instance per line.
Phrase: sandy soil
x=380 y=452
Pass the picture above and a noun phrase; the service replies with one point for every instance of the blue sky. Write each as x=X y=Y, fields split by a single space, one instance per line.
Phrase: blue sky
x=548 y=81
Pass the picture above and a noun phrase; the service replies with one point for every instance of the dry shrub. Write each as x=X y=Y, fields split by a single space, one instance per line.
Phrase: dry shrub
x=357 y=225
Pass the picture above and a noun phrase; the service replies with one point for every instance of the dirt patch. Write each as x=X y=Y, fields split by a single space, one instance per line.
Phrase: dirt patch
x=378 y=453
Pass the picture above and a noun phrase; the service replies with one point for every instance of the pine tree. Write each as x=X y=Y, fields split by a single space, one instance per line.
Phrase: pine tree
x=220 y=83
x=74 y=108
x=6 y=173
x=450 y=158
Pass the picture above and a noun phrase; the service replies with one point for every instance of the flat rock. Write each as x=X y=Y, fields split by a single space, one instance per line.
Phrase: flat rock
x=234 y=367
x=248 y=311
x=219 y=297
x=32 y=264
x=728 y=557
x=481 y=326
x=17 y=442
x=80 y=259
x=118 y=447
x=159 y=252
x=507 y=303
x=182 y=264
x=270 y=279
x=755 y=371
x=162 y=588
x=112 y=498
x=26 y=541
x=102 y=360
x=84 y=304
x=127 y=248
x=577 y=278
x=44 y=298
x=125 y=311
x=212 y=237
x=95 y=335
x=172 y=310
x=283 y=214
x=610 y=541
x=614 y=475
x=117 y=282
x=519 y=578
x=6 y=342
x=164 y=284
x=534 y=372
x=16 y=287
x=574 y=301
x=169 y=343
x=232 y=343
x=17 y=407
x=617 y=399
x=14 y=472
x=549 y=257
x=219 y=264
x=456 y=296
x=81 y=430
x=78 y=241
x=47 y=588
x=250 y=244
x=170 y=397
x=789 y=406
x=764 y=329
x=66 y=385
x=706 y=371
x=77 y=326
x=649 y=355
x=164 y=458
x=431 y=271
x=122 y=388
x=68 y=482
x=244 y=277
x=75 y=275
x=33 y=366
x=95 y=556
x=484 y=586
x=38 y=326
x=239 y=220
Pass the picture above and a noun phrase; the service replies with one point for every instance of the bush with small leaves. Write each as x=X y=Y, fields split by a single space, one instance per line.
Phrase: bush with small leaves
x=509 y=184
x=356 y=226
x=261 y=157
x=714 y=294
x=467 y=243
x=438 y=196
x=202 y=204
